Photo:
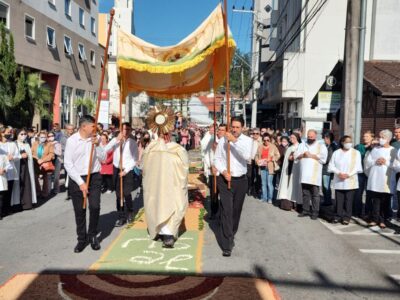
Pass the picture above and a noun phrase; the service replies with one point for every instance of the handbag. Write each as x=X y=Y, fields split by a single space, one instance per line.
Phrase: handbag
x=48 y=166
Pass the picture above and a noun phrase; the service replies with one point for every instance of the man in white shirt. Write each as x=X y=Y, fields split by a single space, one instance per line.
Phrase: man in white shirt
x=312 y=156
x=130 y=156
x=76 y=162
x=232 y=198
x=213 y=171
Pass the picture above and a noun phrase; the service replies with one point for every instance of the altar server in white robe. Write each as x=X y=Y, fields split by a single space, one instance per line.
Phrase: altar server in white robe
x=312 y=156
x=4 y=167
x=289 y=191
x=345 y=164
x=378 y=167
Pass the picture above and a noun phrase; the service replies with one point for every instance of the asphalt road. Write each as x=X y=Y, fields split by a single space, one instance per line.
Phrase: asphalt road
x=302 y=258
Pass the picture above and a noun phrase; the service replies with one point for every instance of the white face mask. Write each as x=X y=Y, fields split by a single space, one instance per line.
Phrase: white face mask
x=22 y=138
x=51 y=139
x=347 y=146
x=382 y=142
x=42 y=139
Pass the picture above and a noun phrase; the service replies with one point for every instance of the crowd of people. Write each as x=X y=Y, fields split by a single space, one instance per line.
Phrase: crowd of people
x=299 y=174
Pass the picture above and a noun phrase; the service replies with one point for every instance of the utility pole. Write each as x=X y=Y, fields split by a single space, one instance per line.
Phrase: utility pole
x=243 y=99
x=350 y=113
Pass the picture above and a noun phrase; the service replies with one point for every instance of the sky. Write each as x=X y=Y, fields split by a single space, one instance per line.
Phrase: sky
x=166 y=22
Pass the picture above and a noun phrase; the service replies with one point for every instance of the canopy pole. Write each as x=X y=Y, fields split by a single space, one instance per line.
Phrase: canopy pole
x=228 y=109
x=215 y=128
x=121 y=182
x=112 y=12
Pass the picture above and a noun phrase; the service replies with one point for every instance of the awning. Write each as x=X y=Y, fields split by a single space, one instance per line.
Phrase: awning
x=175 y=71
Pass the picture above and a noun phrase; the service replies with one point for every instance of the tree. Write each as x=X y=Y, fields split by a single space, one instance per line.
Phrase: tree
x=84 y=106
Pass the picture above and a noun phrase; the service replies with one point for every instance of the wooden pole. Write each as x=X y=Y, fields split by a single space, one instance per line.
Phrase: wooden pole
x=228 y=109
x=112 y=12
x=121 y=183
x=215 y=130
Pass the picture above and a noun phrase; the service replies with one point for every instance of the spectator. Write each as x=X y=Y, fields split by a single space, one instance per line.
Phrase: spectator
x=267 y=158
x=24 y=190
x=69 y=130
x=4 y=166
x=57 y=132
x=254 y=178
x=345 y=164
x=377 y=166
x=43 y=155
x=331 y=146
x=364 y=149
x=55 y=177
x=107 y=167
x=289 y=191
x=11 y=151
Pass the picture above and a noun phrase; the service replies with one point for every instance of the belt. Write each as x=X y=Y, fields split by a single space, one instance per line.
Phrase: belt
x=238 y=177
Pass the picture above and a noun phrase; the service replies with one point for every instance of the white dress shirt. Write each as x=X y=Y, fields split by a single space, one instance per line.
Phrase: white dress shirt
x=130 y=153
x=239 y=155
x=77 y=156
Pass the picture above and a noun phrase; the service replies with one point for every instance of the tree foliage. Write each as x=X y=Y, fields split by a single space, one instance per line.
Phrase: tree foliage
x=21 y=94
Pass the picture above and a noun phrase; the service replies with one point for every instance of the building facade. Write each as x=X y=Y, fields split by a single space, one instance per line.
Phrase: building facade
x=308 y=39
x=57 y=39
x=136 y=105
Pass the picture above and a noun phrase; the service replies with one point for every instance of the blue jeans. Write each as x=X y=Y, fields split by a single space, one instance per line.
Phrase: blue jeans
x=267 y=185
x=326 y=189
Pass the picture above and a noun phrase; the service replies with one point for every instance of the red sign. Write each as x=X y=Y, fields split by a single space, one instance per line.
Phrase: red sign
x=105 y=94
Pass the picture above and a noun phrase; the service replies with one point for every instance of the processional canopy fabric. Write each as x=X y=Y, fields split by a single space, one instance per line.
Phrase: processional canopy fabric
x=175 y=71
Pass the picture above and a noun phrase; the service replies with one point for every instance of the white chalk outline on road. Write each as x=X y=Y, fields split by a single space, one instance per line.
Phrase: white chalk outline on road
x=379 y=251
x=371 y=231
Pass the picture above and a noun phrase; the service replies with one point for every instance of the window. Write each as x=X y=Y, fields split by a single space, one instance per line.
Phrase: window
x=29 y=27
x=52 y=3
x=81 y=49
x=102 y=61
x=51 y=37
x=92 y=58
x=81 y=17
x=4 y=13
x=67 y=8
x=67 y=45
x=93 y=25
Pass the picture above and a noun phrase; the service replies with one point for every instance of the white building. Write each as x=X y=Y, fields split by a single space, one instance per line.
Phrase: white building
x=136 y=105
x=308 y=42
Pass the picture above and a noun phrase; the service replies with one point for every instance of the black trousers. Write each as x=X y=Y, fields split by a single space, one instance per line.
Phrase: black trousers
x=255 y=180
x=108 y=184
x=7 y=197
x=93 y=204
x=127 y=186
x=2 y=198
x=380 y=206
x=214 y=196
x=230 y=209
x=310 y=197
x=398 y=204
x=344 y=204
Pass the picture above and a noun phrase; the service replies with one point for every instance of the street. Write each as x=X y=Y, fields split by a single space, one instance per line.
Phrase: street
x=300 y=257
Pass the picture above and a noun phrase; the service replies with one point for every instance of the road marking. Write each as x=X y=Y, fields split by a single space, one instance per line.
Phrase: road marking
x=379 y=251
x=395 y=277
x=357 y=229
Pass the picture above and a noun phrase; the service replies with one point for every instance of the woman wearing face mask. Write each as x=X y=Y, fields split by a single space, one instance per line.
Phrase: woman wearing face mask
x=289 y=191
x=11 y=151
x=55 y=177
x=24 y=190
x=345 y=164
x=42 y=152
x=378 y=169
x=107 y=167
x=267 y=157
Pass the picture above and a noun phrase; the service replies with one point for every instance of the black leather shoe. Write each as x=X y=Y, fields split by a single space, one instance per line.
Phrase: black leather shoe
x=80 y=247
x=130 y=217
x=226 y=253
x=303 y=215
x=168 y=241
x=94 y=243
x=120 y=222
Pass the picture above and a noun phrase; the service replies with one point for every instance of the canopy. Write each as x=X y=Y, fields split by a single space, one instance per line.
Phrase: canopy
x=175 y=71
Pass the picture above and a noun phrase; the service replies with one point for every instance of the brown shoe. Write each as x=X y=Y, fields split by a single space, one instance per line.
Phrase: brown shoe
x=382 y=225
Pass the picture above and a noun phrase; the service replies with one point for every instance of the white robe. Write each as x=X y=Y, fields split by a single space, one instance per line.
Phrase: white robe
x=311 y=169
x=16 y=196
x=207 y=157
x=289 y=185
x=4 y=164
x=347 y=162
x=11 y=148
x=379 y=176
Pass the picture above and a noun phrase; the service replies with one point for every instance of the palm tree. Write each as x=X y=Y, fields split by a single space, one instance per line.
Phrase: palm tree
x=39 y=97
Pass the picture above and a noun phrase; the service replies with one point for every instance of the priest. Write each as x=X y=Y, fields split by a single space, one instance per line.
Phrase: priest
x=165 y=180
